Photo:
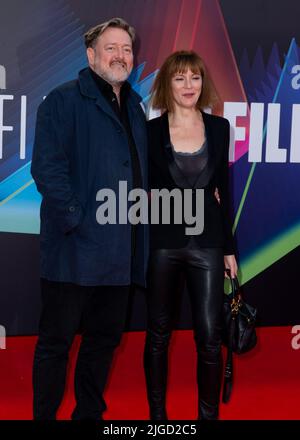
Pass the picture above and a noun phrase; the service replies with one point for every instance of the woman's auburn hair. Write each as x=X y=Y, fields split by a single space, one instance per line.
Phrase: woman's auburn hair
x=180 y=62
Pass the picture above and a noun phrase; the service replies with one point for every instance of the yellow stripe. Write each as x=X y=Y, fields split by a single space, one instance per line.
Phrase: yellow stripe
x=14 y=194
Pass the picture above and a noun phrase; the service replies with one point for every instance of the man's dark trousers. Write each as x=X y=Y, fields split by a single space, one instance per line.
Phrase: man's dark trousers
x=100 y=313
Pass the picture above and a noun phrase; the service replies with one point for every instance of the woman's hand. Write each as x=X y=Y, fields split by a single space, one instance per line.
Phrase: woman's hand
x=217 y=196
x=231 y=264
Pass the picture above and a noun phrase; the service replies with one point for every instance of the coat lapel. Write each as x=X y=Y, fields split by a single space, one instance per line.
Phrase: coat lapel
x=174 y=170
x=102 y=103
x=138 y=127
x=89 y=88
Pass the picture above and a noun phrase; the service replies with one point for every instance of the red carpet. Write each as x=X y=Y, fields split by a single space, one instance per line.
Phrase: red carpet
x=267 y=380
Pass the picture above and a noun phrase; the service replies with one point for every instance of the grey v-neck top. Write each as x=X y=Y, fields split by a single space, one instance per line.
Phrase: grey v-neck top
x=191 y=165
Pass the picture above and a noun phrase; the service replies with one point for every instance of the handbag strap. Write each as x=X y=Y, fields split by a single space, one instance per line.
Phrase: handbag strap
x=235 y=286
x=228 y=374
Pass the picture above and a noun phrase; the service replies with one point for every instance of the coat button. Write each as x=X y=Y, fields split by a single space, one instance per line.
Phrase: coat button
x=126 y=164
x=71 y=208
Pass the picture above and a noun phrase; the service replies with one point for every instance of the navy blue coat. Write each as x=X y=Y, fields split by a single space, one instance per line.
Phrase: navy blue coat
x=81 y=147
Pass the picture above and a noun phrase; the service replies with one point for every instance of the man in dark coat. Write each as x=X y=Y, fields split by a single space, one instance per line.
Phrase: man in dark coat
x=90 y=135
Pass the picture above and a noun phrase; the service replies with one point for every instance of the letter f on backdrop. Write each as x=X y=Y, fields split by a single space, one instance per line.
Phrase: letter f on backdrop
x=2 y=338
x=2 y=77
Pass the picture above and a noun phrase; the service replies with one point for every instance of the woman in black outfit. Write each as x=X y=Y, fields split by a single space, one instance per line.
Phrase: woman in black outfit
x=188 y=150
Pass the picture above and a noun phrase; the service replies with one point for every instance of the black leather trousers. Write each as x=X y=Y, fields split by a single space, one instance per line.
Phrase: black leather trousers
x=203 y=271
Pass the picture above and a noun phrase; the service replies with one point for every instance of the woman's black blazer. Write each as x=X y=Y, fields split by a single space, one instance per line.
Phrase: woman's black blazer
x=163 y=173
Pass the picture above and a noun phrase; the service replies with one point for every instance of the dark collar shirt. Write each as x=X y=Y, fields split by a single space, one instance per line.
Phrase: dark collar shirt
x=122 y=113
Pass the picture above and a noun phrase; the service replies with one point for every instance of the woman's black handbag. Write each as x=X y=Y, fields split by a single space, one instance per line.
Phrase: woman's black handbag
x=239 y=333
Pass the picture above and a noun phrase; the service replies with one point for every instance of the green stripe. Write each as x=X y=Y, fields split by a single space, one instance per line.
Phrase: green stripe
x=269 y=254
x=241 y=205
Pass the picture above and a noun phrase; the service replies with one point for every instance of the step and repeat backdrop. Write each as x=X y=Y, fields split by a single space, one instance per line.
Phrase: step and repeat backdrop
x=251 y=50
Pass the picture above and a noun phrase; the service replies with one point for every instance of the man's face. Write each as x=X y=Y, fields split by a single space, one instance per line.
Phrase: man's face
x=112 y=56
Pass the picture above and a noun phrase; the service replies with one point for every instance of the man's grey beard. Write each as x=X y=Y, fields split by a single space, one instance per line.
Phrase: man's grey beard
x=111 y=78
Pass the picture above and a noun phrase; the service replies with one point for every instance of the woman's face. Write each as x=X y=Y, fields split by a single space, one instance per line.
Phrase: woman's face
x=186 y=88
